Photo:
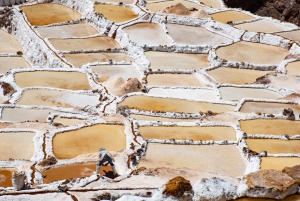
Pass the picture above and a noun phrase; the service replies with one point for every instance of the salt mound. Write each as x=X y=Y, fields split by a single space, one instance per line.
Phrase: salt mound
x=119 y=86
x=200 y=14
x=177 y=9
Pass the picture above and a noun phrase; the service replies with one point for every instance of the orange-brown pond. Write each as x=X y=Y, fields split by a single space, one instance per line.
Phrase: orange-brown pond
x=289 y=198
x=96 y=43
x=16 y=145
x=106 y=72
x=73 y=171
x=236 y=75
x=172 y=105
x=294 y=35
x=55 y=79
x=116 y=14
x=186 y=133
x=8 y=63
x=49 y=13
x=231 y=16
x=57 y=98
x=68 y=121
x=237 y=93
x=167 y=60
x=67 y=31
x=278 y=163
x=173 y=80
x=268 y=108
x=89 y=140
x=22 y=114
x=260 y=53
x=222 y=159
x=293 y=68
x=8 y=43
x=270 y=126
x=274 y=146
x=263 y=26
x=147 y=33
x=6 y=178
x=154 y=118
x=190 y=35
x=83 y=58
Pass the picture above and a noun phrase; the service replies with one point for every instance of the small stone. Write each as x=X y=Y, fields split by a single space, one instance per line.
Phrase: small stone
x=289 y=113
x=177 y=186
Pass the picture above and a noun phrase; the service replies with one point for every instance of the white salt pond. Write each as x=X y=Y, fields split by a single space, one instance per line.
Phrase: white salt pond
x=263 y=26
x=8 y=63
x=231 y=16
x=22 y=114
x=8 y=43
x=173 y=80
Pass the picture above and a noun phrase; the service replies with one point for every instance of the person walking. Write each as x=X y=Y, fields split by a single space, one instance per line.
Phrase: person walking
x=105 y=156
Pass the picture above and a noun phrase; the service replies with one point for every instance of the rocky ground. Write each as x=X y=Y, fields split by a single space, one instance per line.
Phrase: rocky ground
x=284 y=10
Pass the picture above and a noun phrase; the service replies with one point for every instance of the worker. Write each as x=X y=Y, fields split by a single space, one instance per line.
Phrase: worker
x=105 y=156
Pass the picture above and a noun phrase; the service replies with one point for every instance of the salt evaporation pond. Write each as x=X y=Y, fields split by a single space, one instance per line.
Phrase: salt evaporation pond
x=16 y=145
x=191 y=35
x=23 y=114
x=116 y=1
x=216 y=133
x=49 y=13
x=116 y=14
x=274 y=146
x=68 y=121
x=173 y=80
x=150 y=34
x=225 y=160
x=173 y=105
x=6 y=178
x=293 y=68
x=231 y=16
x=237 y=93
x=211 y=3
x=278 y=163
x=289 y=198
x=293 y=35
x=171 y=60
x=96 y=43
x=56 y=98
x=260 y=53
x=8 y=63
x=268 y=107
x=236 y=75
x=270 y=126
x=73 y=171
x=8 y=43
x=54 y=79
x=263 y=26
x=89 y=140
x=67 y=31
x=154 y=118
x=83 y=58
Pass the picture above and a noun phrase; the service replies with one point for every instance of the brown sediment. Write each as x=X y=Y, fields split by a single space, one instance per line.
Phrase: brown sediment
x=5 y=178
x=186 y=133
x=73 y=171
